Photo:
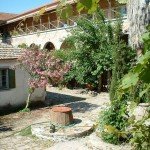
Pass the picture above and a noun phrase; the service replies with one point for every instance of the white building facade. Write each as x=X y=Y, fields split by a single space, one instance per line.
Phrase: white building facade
x=14 y=82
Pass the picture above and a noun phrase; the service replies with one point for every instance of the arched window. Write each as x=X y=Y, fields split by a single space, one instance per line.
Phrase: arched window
x=49 y=46
x=32 y=45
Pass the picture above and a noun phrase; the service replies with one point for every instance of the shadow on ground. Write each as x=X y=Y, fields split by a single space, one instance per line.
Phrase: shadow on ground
x=78 y=104
x=4 y=128
x=63 y=98
x=82 y=106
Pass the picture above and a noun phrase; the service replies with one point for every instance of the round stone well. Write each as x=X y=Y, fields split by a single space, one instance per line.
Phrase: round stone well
x=61 y=115
x=76 y=128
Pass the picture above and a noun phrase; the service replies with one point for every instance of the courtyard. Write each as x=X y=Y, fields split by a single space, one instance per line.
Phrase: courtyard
x=84 y=106
x=75 y=75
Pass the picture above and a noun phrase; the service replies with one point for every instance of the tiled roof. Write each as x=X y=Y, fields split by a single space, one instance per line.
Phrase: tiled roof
x=9 y=52
x=48 y=7
x=6 y=16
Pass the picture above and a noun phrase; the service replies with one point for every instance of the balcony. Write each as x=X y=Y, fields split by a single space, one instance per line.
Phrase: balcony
x=111 y=14
x=49 y=26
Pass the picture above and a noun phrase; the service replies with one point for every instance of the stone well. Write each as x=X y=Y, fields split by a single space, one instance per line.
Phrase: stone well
x=61 y=115
x=79 y=128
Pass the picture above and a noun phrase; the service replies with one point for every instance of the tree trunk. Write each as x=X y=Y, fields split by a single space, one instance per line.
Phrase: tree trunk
x=139 y=18
x=28 y=101
x=100 y=84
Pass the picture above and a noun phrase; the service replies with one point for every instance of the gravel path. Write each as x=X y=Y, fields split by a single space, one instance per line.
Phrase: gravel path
x=83 y=104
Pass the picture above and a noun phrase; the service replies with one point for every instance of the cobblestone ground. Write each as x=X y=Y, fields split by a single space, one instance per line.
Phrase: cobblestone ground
x=84 y=105
x=23 y=143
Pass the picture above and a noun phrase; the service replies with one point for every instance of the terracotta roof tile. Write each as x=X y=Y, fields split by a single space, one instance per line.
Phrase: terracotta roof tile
x=49 y=7
x=6 y=16
x=9 y=52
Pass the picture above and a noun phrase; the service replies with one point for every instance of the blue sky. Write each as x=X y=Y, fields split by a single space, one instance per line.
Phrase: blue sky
x=18 y=6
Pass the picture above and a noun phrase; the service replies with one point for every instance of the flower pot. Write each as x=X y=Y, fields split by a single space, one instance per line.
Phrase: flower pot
x=89 y=86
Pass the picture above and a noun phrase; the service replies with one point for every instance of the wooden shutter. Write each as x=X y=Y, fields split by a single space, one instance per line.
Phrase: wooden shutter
x=11 y=77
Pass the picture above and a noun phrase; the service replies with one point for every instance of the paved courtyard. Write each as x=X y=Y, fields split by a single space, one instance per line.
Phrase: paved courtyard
x=84 y=105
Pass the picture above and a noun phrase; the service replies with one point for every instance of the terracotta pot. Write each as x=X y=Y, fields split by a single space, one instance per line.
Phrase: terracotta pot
x=89 y=86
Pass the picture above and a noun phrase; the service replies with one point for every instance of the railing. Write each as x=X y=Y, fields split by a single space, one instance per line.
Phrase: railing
x=109 y=13
x=44 y=26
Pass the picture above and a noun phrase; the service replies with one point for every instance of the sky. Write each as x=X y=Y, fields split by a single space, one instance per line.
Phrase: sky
x=19 y=6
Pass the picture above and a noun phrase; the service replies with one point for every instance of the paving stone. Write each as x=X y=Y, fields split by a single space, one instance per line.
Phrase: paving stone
x=71 y=145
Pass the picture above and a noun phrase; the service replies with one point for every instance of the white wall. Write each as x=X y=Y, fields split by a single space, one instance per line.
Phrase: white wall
x=56 y=36
x=18 y=95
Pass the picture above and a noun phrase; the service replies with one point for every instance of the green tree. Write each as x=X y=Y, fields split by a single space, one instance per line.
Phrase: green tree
x=94 y=42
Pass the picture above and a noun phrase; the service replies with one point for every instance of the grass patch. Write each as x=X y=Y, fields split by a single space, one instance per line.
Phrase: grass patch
x=25 y=110
x=26 y=131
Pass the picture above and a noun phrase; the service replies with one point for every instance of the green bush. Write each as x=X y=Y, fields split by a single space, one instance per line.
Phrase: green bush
x=123 y=59
x=113 y=122
x=91 y=57
x=137 y=81
x=23 y=45
x=141 y=134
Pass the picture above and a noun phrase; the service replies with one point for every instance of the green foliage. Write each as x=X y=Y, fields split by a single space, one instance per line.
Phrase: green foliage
x=146 y=40
x=94 y=42
x=123 y=58
x=25 y=110
x=26 y=131
x=139 y=75
x=122 y=1
x=137 y=81
x=140 y=134
x=64 y=10
x=67 y=53
x=113 y=121
x=23 y=45
x=89 y=5
x=14 y=33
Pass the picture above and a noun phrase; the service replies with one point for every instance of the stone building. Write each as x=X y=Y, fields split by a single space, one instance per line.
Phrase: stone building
x=42 y=26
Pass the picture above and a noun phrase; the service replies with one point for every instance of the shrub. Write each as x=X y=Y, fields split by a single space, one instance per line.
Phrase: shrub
x=138 y=80
x=91 y=57
x=113 y=122
x=23 y=45
x=140 y=134
x=43 y=68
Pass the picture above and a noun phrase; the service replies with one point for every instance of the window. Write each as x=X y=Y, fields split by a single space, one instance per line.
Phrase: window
x=123 y=10
x=7 y=78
